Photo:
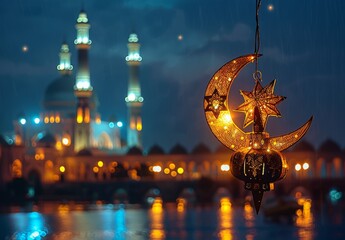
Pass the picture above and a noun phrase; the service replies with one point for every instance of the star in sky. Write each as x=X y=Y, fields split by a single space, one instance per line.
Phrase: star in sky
x=263 y=99
x=215 y=103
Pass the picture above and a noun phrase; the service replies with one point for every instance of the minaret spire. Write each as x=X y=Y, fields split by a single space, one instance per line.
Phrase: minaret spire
x=83 y=88
x=83 y=44
x=134 y=99
x=65 y=66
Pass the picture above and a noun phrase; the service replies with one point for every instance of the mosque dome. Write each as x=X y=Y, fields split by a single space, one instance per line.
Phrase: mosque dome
x=178 y=149
x=156 y=150
x=201 y=149
x=45 y=139
x=59 y=96
x=304 y=146
x=329 y=146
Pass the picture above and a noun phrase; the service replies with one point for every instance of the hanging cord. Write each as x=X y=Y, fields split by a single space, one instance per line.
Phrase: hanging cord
x=257 y=75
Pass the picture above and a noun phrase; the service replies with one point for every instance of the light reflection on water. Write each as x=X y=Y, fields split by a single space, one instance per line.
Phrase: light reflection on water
x=162 y=221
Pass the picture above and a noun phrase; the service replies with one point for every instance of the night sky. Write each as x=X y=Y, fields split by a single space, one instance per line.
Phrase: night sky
x=302 y=42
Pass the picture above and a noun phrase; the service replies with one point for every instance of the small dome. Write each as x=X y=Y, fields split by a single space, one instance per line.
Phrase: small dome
x=82 y=18
x=329 y=146
x=223 y=149
x=303 y=146
x=5 y=141
x=59 y=96
x=134 y=151
x=156 y=150
x=201 y=149
x=45 y=140
x=133 y=38
x=178 y=149
x=84 y=152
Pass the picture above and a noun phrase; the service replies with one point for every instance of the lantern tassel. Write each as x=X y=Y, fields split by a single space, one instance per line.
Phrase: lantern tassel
x=257 y=198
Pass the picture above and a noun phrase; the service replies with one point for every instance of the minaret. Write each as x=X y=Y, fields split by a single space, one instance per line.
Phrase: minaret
x=134 y=99
x=82 y=88
x=65 y=67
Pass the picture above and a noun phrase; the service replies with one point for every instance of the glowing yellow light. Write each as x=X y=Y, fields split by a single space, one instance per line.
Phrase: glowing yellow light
x=58 y=145
x=79 y=115
x=57 y=119
x=225 y=204
x=62 y=169
x=166 y=170
x=95 y=169
x=139 y=125
x=305 y=166
x=180 y=170
x=298 y=167
x=51 y=119
x=25 y=48
x=296 y=136
x=181 y=202
x=270 y=7
x=46 y=119
x=65 y=141
x=172 y=166
x=229 y=79
x=227 y=118
x=173 y=173
x=157 y=169
x=157 y=206
x=100 y=164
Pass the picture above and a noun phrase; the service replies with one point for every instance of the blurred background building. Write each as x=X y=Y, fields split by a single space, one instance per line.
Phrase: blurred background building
x=70 y=142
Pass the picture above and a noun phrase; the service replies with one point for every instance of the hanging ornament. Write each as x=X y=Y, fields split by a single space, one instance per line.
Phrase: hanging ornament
x=257 y=159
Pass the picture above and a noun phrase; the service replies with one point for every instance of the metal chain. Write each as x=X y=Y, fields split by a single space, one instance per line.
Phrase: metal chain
x=257 y=75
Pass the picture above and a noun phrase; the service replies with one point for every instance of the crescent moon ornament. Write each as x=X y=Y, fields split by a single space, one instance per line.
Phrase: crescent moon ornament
x=257 y=159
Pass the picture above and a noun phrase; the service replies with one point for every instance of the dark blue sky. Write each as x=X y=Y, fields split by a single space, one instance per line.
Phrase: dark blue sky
x=302 y=43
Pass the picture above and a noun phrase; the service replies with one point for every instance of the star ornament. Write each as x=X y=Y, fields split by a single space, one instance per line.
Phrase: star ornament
x=262 y=98
x=215 y=103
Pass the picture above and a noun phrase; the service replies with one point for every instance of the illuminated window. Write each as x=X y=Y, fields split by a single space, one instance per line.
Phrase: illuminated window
x=87 y=115
x=79 y=115
x=46 y=119
x=57 y=118
x=18 y=140
x=16 y=168
x=132 y=125
x=139 y=124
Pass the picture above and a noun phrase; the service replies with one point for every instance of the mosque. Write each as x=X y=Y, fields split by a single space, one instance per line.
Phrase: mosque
x=70 y=123
x=70 y=142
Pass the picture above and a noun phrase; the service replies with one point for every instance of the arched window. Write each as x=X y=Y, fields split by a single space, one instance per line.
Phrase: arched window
x=17 y=169
x=104 y=141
